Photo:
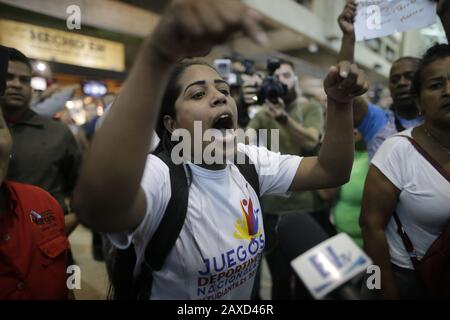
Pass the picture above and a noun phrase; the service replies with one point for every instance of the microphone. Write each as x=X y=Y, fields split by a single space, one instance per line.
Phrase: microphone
x=325 y=265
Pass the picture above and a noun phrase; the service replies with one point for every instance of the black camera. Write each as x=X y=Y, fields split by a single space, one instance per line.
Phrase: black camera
x=271 y=89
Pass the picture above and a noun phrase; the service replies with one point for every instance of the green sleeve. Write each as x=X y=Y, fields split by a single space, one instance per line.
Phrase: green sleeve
x=256 y=122
x=313 y=116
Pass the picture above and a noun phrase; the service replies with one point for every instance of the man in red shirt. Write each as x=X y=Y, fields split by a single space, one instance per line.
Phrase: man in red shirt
x=33 y=244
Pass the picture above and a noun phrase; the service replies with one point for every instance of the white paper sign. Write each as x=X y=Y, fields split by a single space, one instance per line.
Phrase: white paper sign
x=379 y=18
x=330 y=264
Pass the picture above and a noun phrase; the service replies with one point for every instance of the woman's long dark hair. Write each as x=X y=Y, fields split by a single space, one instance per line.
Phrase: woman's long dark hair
x=171 y=94
x=120 y=263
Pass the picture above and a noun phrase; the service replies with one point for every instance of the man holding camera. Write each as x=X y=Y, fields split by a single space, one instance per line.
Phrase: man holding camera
x=300 y=126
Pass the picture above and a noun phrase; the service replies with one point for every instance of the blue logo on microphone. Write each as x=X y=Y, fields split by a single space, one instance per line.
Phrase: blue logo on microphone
x=333 y=266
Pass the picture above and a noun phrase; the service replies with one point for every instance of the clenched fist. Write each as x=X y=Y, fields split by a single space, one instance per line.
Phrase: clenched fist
x=346 y=19
x=190 y=28
x=344 y=82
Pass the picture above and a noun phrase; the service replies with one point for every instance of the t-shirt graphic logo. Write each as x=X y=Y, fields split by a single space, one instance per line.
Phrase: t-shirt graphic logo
x=247 y=227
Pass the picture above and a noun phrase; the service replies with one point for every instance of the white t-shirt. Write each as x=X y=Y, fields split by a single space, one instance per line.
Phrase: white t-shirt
x=424 y=202
x=219 y=248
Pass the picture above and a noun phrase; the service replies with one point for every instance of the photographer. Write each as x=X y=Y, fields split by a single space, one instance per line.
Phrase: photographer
x=300 y=124
x=300 y=127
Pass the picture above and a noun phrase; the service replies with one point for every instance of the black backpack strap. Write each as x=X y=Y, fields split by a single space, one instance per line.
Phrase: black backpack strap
x=248 y=170
x=120 y=269
x=168 y=230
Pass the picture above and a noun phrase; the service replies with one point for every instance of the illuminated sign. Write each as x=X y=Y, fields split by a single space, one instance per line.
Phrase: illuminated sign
x=62 y=46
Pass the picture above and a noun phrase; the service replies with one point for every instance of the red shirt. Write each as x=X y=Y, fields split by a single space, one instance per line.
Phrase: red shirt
x=33 y=245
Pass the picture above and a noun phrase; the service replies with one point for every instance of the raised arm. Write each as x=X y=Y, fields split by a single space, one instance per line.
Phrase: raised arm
x=379 y=202
x=307 y=137
x=346 y=22
x=108 y=196
x=333 y=165
x=443 y=11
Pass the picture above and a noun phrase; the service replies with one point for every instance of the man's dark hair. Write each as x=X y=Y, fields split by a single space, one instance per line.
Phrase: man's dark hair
x=16 y=55
x=407 y=58
x=285 y=61
x=436 y=52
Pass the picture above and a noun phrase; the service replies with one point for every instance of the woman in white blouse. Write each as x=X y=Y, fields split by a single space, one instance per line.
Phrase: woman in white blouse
x=410 y=176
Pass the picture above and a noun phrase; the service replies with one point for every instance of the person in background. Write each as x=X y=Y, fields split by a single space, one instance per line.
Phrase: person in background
x=33 y=244
x=64 y=116
x=375 y=123
x=53 y=99
x=408 y=186
x=348 y=198
x=300 y=126
x=45 y=153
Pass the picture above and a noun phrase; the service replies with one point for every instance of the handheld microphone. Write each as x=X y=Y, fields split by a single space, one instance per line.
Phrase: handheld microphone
x=325 y=265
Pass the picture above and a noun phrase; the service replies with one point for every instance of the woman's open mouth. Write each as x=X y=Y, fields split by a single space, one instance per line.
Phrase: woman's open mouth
x=223 y=122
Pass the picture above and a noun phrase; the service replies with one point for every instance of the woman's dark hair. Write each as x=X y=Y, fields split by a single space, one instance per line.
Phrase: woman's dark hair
x=171 y=94
x=436 y=52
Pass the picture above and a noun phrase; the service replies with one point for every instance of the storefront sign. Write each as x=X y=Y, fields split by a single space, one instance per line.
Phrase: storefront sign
x=62 y=46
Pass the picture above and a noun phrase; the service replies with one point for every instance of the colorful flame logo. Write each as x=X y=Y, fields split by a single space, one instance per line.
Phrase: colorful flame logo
x=247 y=227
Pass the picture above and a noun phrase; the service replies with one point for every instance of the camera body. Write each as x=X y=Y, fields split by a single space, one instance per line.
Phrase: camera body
x=271 y=89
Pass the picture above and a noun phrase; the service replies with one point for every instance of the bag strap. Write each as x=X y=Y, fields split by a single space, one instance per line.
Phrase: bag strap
x=398 y=124
x=168 y=230
x=406 y=240
x=248 y=170
x=428 y=157
x=121 y=274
